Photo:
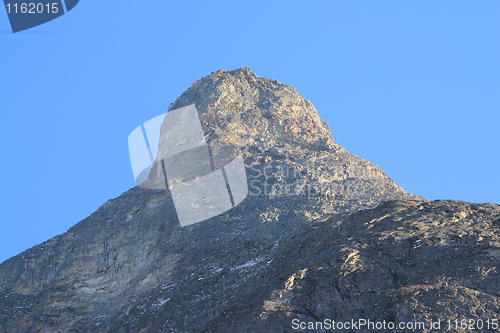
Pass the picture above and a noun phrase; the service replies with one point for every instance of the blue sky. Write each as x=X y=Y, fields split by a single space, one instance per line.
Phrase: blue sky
x=413 y=86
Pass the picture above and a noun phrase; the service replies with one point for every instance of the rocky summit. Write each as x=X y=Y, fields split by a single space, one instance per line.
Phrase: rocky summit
x=323 y=238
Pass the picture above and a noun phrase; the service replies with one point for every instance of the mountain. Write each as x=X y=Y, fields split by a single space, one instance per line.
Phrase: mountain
x=322 y=234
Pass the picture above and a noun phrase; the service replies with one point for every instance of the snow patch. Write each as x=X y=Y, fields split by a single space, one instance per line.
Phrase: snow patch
x=369 y=207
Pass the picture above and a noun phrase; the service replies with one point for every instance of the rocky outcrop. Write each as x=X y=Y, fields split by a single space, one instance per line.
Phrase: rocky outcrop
x=342 y=242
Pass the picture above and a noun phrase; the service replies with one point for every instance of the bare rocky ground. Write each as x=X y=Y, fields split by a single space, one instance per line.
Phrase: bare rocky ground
x=346 y=243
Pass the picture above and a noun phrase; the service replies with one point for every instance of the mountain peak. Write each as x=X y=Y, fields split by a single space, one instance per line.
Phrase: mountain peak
x=284 y=142
x=242 y=71
x=248 y=110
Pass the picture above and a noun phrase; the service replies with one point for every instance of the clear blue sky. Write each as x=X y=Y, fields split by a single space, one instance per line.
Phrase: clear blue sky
x=413 y=86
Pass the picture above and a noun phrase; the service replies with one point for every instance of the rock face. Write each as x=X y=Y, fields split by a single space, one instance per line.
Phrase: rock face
x=343 y=242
